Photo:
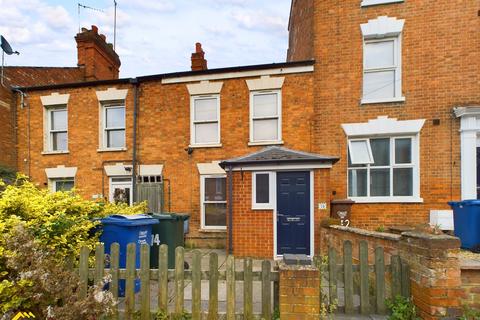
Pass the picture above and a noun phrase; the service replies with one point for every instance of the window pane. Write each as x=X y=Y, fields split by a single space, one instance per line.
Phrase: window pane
x=357 y=183
x=359 y=152
x=379 y=182
x=59 y=141
x=215 y=214
x=403 y=182
x=64 y=185
x=403 y=150
x=215 y=189
x=116 y=138
x=115 y=117
x=265 y=130
x=206 y=132
x=59 y=119
x=378 y=85
x=262 y=190
x=265 y=105
x=380 y=151
x=379 y=54
x=121 y=195
x=205 y=109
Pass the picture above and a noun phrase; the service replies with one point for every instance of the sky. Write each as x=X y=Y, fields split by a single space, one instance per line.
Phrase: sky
x=153 y=36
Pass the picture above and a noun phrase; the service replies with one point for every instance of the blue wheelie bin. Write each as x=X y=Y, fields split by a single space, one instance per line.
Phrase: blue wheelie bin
x=124 y=230
x=466 y=220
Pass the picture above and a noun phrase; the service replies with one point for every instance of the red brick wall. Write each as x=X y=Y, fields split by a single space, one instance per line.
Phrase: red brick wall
x=471 y=286
x=300 y=31
x=440 y=44
x=253 y=229
x=163 y=136
x=7 y=141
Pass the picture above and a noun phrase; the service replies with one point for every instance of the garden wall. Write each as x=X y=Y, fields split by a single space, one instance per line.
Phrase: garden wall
x=441 y=287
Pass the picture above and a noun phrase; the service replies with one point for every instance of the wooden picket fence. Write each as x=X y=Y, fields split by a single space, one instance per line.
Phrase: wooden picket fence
x=367 y=281
x=163 y=276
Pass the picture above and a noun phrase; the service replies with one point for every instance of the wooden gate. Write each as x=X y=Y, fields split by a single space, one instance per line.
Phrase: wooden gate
x=360 y=286
x=153 y=194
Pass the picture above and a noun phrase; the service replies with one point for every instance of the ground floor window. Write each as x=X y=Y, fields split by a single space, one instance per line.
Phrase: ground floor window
x=213 y=198
x=121 y=190
x=63 y=184
x=383 y=167
x=263 y=186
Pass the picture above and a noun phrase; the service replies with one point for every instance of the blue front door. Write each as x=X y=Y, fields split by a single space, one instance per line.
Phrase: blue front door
x=293 y=212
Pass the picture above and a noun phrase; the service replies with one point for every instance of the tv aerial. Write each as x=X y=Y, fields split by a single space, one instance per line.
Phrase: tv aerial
x=6 y=48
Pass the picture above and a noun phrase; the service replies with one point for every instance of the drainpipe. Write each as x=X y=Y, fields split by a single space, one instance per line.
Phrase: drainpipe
x=135 y=83
x=230 y=210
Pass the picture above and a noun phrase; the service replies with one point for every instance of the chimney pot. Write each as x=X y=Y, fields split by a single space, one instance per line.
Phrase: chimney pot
x=103 y=37
x=95 y=29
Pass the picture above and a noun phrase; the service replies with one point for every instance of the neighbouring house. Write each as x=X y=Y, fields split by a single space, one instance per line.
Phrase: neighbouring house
x=376 y=103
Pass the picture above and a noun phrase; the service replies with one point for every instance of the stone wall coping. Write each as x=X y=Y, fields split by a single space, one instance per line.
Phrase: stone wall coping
x=282 y=266
x=469 y=264
x=368 y=233
x=427 y=236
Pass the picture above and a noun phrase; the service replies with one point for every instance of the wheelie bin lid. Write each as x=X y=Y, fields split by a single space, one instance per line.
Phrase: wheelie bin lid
x=465 y=203
x=129 y=220
x=170 y=216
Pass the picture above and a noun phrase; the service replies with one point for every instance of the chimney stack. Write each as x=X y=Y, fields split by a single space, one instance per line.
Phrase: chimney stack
x=198 y=58
x=97 y=57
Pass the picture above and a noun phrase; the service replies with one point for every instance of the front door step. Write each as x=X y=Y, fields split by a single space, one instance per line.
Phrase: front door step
x=297 y=259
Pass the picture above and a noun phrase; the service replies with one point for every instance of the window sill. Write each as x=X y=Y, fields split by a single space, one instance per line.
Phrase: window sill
x=111 y=149
x=262 y=208
x=264 y=143
x=367 y=3
x=386 y=100
x=213 y=145
x=55 y=152
x=214 y=230
x=386 y=200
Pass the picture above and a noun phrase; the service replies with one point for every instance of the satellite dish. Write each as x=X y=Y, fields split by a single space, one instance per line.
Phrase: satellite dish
x=6 y=46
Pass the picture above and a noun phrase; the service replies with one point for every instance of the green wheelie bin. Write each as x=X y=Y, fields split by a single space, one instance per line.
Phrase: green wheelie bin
x=169 y=231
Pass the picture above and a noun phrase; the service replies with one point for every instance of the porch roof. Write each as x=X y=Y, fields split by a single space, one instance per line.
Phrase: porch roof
x=278 y=156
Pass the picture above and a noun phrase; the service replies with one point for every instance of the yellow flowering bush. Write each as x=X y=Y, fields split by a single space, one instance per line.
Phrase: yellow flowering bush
x=59 y=223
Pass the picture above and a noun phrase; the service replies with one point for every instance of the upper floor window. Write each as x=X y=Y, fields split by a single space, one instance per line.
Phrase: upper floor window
x=113 y=126
x=265 y=117
x=57 y=125
x=205 y=120
x=382 y=70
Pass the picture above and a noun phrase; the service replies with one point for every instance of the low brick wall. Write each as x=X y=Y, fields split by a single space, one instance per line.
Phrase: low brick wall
x=440 y=286
x=471 y=286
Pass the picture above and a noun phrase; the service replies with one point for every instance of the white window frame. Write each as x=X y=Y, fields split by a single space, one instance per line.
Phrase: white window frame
x=396 y=68
x=104 y=129
x=194 y=98
x=271 y=191
x=113 y=183
x=54 y=181
x=369 y=150
x=203 y=202
x=49 y=138
x=415 y=165
x=278 y=117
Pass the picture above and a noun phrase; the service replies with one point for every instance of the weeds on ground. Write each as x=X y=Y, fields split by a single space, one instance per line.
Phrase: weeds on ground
x=402 y=308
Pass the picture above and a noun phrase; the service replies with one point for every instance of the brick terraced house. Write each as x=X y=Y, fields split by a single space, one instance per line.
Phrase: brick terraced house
x=378 y=102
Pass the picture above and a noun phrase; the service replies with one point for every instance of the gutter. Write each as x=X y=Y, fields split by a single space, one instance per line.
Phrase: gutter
x=135 y=83
x=230 y=210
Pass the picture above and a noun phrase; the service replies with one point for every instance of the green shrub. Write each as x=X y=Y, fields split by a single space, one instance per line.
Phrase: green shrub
x=402 y=308
x=58 y=224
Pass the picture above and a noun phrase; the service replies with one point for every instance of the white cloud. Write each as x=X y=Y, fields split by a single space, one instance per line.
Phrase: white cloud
x=260 y=21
